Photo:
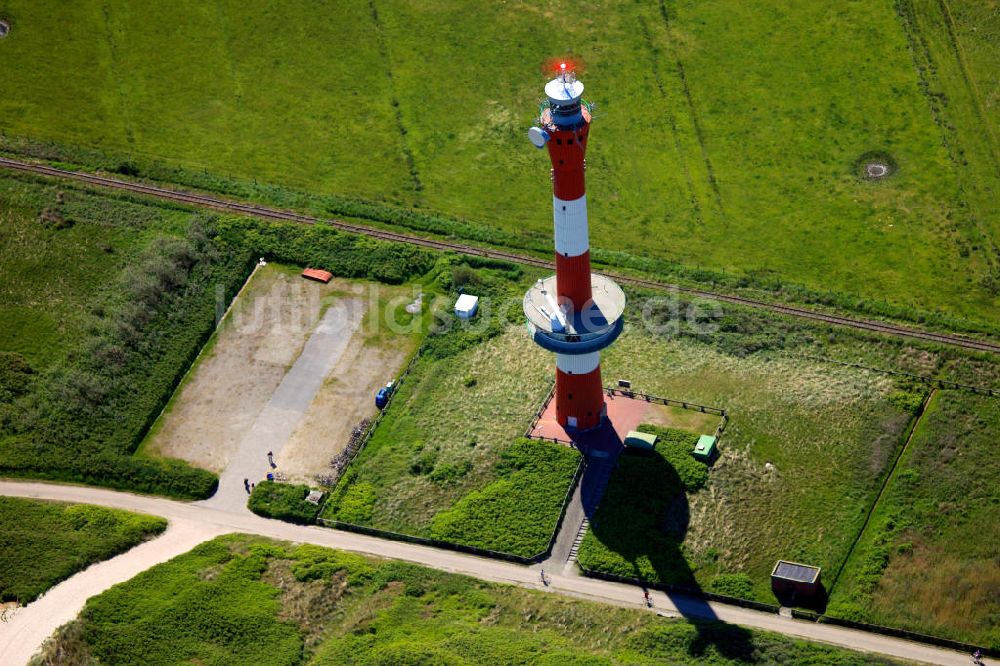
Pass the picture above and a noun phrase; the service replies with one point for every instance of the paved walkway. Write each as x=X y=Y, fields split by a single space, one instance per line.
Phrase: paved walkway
x=275 y=424
x=199 y=521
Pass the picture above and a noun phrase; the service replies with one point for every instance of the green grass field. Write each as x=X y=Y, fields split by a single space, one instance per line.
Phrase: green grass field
x=801 y=458
x=239 y=600
x=928 y=559
x=757 y=179
x=47 y=542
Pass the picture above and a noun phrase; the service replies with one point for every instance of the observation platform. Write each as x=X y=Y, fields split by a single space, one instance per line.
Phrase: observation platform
x=555 y=327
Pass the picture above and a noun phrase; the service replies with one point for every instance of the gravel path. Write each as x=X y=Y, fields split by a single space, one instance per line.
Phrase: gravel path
x=192 y=523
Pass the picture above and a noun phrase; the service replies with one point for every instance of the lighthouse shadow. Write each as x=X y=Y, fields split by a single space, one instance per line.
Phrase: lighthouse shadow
x=642 y=521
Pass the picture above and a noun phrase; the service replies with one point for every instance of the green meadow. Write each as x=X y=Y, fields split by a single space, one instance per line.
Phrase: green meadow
x=240 y=599
x=729 y=137
x=927 y=560
x=47 y=542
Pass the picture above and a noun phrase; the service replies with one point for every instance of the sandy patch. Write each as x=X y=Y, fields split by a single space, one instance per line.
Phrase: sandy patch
x=346 y=397
x=292 y=370
x=231 y=383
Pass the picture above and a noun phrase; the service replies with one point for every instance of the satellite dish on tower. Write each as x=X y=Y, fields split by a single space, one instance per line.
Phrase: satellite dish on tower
x=537 y=136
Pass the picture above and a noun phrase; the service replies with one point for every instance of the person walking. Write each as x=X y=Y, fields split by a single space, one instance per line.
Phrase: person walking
x=246 y=484
x=270 y=459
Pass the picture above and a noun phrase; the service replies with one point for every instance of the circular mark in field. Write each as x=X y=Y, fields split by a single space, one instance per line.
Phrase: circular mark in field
x=875 y=165
x=876 y=170
x=4 y=28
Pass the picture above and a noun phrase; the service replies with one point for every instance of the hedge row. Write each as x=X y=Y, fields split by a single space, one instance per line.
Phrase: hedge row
x=320 y=246
x=284 y=501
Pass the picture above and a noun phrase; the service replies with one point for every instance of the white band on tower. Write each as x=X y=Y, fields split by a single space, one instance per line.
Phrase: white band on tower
x=570 y=220
x=578 y=364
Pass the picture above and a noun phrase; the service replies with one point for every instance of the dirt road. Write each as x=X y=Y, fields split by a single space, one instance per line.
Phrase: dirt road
x=194 y=522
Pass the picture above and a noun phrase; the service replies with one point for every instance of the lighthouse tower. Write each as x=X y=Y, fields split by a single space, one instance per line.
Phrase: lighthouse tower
x=574 y=313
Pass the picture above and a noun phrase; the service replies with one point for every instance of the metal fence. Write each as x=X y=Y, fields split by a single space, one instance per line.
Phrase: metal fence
x=635 y=395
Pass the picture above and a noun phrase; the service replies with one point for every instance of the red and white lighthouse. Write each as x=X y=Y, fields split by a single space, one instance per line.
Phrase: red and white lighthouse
x=574 y=313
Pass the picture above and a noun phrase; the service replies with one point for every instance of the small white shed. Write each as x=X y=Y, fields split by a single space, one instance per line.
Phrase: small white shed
x=466 y=306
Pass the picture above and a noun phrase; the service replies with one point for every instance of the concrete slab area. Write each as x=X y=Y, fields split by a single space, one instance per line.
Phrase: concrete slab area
x=275 y=424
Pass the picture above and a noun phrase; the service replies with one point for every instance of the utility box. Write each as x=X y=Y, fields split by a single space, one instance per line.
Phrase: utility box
x=705 y=448
x=466 y=306
x=639 y=442
x=796 y=584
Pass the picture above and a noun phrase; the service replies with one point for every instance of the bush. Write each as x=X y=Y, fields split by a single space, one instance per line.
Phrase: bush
x=15 y=376
x=320 y=246
x=737 y=585
x=676 y=447
x=284 y=501
x=907 y=401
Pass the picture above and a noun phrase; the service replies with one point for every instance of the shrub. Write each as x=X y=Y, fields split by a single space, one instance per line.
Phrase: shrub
x=907 y=401
x=321 y=246
x=15 y=376
x=284 y=501
x=737 y=585
x=315 y=562
x=676 y=447
x=356 y=501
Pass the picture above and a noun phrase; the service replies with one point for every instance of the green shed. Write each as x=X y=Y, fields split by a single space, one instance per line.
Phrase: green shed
x=705 y=448
x=639 y=441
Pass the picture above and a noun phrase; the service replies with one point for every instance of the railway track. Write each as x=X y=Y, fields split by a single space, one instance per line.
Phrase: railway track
x=230 y=206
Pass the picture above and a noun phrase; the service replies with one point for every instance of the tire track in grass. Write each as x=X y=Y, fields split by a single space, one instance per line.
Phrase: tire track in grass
x=383 y=50
x=109 y=25
x=878 y=498
x=970 y=82
x=712 y=181
x=937 y=101
x=672 y=121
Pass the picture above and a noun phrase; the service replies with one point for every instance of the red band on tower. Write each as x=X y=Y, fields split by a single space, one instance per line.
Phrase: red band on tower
x=581 y=398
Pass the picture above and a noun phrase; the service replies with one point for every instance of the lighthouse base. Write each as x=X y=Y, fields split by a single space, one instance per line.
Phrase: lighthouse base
x=579 y=399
